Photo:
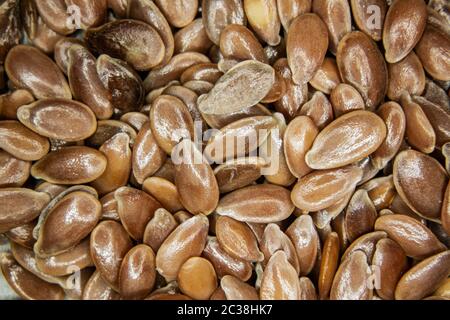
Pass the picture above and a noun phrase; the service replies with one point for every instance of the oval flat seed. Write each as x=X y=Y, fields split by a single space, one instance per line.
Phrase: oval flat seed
x=161 y=76
x=63 y=119
x=273 y=240
x=432 y=49
x=381 y=191
x=262 y=16
x=202 y=71
x=306 y=46
x=21 y=142
x=392 y=261
x=28 y=68
x=148 y=12
x=360 y=215
x=19 y=206
x=195 y=180
x=340 y=143
x=179 y=13
x=159 y=228
x=217 y=14
x=337 y=16
x=237 y=239
x=327 y=77
x=366 y=243
x=319 y=109
x=345 y=98
x=61 y=51
x=361 y=65
x=298 y=139
x=135 y=209
x=186 y=241
x=279 y=280
x=351 y=281
x=415 y=239
x=26 y=284
x=235 y=289
x=10 y=102
x=70 y=218
x=98 y=289
x=192 y=37
x=86 y=165
x=197 y=278
x=424 y=191
x=305 y=239
x=239 y=43
x=363 y=15
x=403 y=28
x=222 y=120
x=328 y=265
x=407 y=75
x=15 y=172
x=109 y=244
x=224 y=263
x=133 y=41
x=164 y=191
x=321 y=189
x=147 y=156
x=170 y=121
x=238 y=173
x=137 y=273
x=288 y=10
x=118 y=167
x=23 y=234
x=85 y=82
x=243 y=86
x=65 y=263
x=263 y=203
x=106 y=129
x=395 y=120
x=307 y=289
x=424 y=278
x=134 y=119
x=419 y=131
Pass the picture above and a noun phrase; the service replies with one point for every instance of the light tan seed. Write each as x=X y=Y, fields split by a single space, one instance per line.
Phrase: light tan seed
x=195 y=180
x=326 y=77
x=351 y=281
x=186 y=241
x=407 y=75
x=61 y=51
x=337 y=16
x=307 y=289
x=319 y=109
x=237 y=239
x=262 y=16
x=243 y=86
x=366 y=243
x=340 y=143
x=137 y=273
x=222 y=120
x=264 y=203
x=235 y=289
x=98 y=289
x=306 y=242
x=26 y=284
x=147 y=156
x=134 y=119
x=381 y=191
x=179 y=13
x=164 y=191
x=224 y=263
x=362 y=65
x=423 y=191
x=424 y=278
x=363 y=14
x=28 y=68
x=239 y=43
x=19 y=206
x=68 y=219
x=109 y=244
x=328 y=264
x=321 y=189
x=15 y=172
x=415 y=239
x=77 y=258
x=159 y=228
x=345 y=98
x=21 y=142
x=403 y=28
x=23 y=234
x=395 y=120
x=306 y=46
x=135 y=209
x=279 y=280
x=288 y=10
x=86 y=165
x=392 y=261
x=52 y=189
x=197 y=278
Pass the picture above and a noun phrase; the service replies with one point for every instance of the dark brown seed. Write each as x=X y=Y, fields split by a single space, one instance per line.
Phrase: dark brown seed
x=61 y=51
x=360 y=215
x=23 y=234
x=10 y=102
x=106 y=129
x=15 y=172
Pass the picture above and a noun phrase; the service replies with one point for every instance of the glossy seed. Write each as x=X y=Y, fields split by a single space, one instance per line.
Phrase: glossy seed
x=364 y=16
x=159 y=228
x=424 y=191
x=340 y=143
x=288 y=10
x=445 y=212
x=345 y=98
x=98 y=289
x=407 y=75
x=328 y=265
x=409 y=233
x=306 y=46
x=197 y=278
x=263 y=203
x=235 y=289
x=164 y=191
x=239 y=43
x=15 y=172
x=327 y=77
x=360 y=215
x=319 y=109
x=263 y=17
x=137 y=273
x=192 y=37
